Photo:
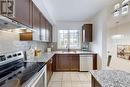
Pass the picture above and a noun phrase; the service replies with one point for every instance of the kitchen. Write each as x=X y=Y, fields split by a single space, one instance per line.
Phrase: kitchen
x=46 y=44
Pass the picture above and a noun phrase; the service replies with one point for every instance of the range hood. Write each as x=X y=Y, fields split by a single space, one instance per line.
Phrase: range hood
x=6 y=24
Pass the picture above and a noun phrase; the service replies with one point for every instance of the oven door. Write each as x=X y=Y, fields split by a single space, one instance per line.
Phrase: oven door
x=39 y=80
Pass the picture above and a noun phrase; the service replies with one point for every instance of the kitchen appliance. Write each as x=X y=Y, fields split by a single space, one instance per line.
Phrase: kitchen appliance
x=86 y=62
x=13 y=68
x=39 y=80
x=6 y=24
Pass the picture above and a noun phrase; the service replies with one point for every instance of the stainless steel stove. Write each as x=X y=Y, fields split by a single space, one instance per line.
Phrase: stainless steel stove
x=13 y=66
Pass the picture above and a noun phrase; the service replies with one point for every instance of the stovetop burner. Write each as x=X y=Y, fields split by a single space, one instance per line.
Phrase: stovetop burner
x=13 y=66
x=31 y=68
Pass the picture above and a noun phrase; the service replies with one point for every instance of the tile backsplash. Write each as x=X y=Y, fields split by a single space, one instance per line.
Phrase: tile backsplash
x=9 y=42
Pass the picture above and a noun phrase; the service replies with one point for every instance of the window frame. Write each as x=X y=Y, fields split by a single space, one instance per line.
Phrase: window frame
x=68 y=45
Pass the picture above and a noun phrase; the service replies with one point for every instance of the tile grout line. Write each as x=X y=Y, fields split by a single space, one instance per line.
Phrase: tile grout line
x=63 y=83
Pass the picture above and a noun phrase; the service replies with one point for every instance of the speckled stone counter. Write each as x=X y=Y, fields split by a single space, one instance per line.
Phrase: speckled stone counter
x=111 y=78
x=43 y=58
x=46 y=56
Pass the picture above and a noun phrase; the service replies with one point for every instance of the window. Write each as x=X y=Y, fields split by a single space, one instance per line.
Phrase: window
x=69 y=39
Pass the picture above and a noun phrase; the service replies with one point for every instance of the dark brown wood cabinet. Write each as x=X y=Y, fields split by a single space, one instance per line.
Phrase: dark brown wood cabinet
x=54 y=63
x=49 y=69
x=67 y=62
x=63 y=62
x=42 y=26
x=31 y=14
x=95 y=61
x=87 y=33
x=22 y=11
x=75 y=62
x=27 y=13
x=50 y=32
x=36 y=23
x=46 y=30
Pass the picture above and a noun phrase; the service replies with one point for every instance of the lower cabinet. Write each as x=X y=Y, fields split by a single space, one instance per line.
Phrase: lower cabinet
x=49 y=69
x=74 y=63
x=67 y=62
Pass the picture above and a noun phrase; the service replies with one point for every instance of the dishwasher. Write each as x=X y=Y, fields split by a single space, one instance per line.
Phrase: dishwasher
x=86 y=62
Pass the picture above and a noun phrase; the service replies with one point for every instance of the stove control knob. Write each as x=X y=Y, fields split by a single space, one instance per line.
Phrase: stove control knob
x=2 y=58
x=14 y=55
x=9 y=56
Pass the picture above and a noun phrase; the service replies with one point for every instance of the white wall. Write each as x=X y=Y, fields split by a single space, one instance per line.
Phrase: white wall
x=123 y=38
x=118 y=34
x=102 y=23
x=99 y=38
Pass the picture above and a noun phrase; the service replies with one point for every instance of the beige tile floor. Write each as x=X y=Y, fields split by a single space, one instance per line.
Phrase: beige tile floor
x=70 y=79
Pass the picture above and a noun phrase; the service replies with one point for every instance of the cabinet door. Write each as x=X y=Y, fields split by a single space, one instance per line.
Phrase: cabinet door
x=54 y=63
x=31 y=14
x=63 y=62
x=87 y=33
x=22 y=11
x=49 y=70
x=94 y=61
x=36 y=23
x=50 y=32
x=42 y=28
x=75 y=62
x=47 y=31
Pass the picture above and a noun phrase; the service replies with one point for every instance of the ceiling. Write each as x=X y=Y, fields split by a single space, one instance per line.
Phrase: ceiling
x=76 y=10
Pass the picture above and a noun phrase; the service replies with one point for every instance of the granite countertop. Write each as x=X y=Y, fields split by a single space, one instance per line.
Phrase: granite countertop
x=47 y=55
x=43 y=58
x=111 y=78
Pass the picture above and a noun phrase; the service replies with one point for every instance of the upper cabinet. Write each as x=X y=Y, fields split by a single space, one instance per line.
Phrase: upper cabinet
x=42 y=25
x=18 y=10
x=42 y=28
x=36 y=23
x=23 y=12
x=87 y=33
x=46 y=30
x=50 y=33
x=27 y=13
